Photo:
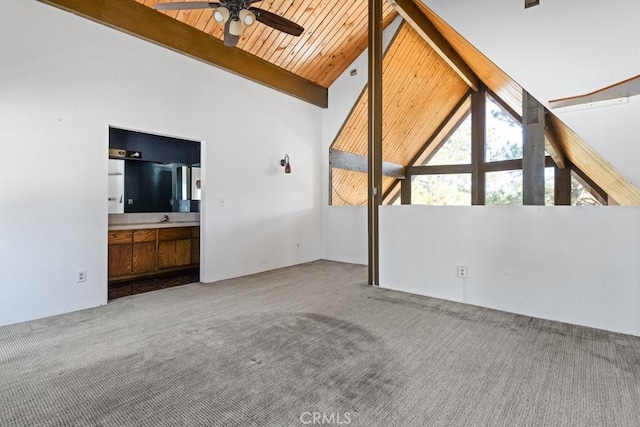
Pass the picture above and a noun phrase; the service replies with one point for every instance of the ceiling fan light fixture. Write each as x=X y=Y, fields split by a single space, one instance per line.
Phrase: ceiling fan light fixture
x=221 y=15
x=235 y=27
x=247 y=17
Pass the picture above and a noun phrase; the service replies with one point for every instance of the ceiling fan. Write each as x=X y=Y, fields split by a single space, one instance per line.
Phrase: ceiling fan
x=236 y=13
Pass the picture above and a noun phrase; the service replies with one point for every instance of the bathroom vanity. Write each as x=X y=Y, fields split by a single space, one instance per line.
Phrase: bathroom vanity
x=141 y=250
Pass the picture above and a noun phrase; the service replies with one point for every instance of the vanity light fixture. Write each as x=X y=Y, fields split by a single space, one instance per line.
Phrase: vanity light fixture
x=285 y=163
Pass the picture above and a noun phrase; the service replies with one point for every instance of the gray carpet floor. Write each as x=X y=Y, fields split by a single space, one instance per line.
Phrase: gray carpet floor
x=283 y=347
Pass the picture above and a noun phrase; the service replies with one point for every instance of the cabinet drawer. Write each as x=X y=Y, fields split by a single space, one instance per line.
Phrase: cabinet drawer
x=174 y=233
x=140 y=236
x=123 y=236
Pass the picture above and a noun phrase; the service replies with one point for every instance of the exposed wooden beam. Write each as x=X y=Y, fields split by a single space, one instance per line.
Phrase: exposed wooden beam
x=405 y=192
x=533 y=157
x=143 y=22
x=423 y=26
x=552 y=143
x=374 y=148
x=505 y=165
x=354 y=162
x=440 y=169
x=478 y=144
x=562 y=187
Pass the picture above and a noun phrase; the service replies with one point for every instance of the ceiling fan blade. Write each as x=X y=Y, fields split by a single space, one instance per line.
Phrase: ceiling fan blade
x=276 y=21
x=186 y=5
x=229 y=39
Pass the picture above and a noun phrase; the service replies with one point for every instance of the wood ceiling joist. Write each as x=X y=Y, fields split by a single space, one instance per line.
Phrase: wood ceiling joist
x=141 y=21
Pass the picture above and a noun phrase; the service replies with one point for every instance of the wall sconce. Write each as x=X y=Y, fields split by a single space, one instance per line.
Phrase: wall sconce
x=285 y=162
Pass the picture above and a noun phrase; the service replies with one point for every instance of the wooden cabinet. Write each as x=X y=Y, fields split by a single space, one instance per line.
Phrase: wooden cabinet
x=148 y=251
x=144 y=251
x=120 y=253
x=174 y=247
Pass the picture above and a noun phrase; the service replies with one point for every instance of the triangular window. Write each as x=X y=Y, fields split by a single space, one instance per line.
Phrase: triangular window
x=582 y=194
x=457 y=149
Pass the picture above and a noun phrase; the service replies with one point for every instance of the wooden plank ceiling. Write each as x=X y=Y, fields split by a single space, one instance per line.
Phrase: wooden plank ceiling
x=335 y=34
x=419 y=91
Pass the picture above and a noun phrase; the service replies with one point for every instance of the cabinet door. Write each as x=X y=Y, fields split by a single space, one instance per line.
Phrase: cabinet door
x=183 y=252
x=144 y=257
x=166 y=254
x=120 y=259
x=173 y=253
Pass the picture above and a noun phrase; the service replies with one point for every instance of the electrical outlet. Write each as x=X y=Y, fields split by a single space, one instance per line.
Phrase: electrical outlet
x=221 y=202
x=463 y=272
x=81 y=276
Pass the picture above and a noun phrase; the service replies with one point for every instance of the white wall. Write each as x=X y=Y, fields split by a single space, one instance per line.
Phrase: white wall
x=560 y=49
x=345 y=227
x=579 y=265
x=63 y=81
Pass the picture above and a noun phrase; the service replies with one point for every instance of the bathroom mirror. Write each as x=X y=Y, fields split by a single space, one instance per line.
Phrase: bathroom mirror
x=150 y=173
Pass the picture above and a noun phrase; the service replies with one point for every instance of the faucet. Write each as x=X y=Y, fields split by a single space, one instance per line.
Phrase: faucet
x=165 y=219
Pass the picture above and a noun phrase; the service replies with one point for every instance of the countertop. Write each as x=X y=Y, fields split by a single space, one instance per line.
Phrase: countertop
x=143 y=225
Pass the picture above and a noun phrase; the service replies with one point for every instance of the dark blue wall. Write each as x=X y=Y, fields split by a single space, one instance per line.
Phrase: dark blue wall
x=155 y=148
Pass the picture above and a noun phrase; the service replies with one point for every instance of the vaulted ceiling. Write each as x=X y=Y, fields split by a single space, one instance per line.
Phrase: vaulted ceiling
x=427 y=73
x=335 y=34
